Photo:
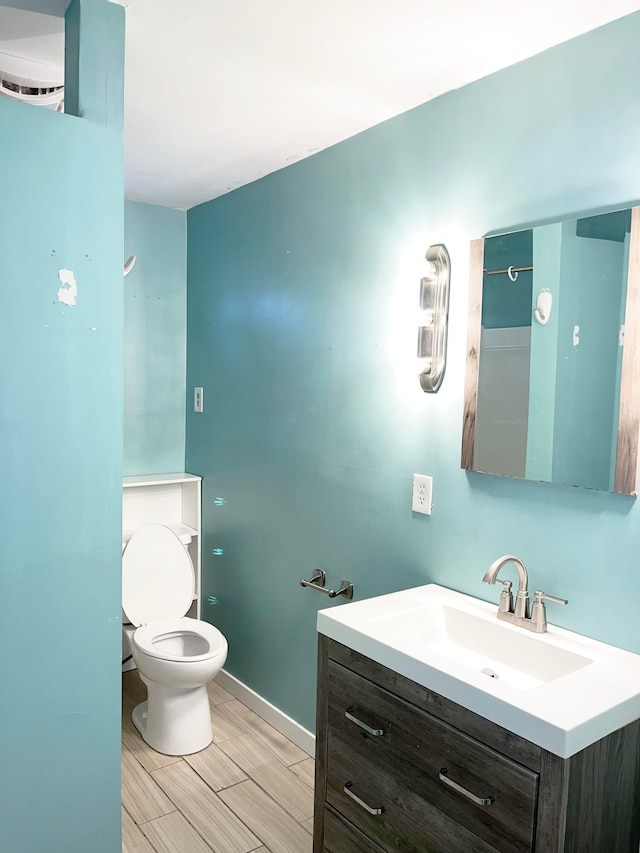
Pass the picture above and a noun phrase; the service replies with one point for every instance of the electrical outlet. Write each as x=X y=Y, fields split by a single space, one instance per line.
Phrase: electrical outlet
x=422 y=494
x=198 y=400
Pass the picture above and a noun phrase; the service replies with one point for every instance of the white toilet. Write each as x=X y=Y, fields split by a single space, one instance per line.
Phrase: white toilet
x=175 y=655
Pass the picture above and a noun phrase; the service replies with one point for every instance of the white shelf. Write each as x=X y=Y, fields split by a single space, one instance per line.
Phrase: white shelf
x=183 y=531
x=159 y=480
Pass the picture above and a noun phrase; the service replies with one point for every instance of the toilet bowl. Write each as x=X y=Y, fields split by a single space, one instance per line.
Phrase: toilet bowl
x=176 y=656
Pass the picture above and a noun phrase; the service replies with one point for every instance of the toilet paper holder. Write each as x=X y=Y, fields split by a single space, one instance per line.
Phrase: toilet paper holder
x=319 y=578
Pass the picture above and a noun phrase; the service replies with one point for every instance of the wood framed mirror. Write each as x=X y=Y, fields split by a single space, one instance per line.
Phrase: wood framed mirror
x=552 y=388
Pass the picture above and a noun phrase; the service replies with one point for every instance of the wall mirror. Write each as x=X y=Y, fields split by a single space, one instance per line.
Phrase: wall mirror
x=552 y=388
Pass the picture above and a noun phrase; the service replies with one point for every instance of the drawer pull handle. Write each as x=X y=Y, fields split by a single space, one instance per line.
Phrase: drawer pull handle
x=350 y=716
x=347 y=790
x=479 y=801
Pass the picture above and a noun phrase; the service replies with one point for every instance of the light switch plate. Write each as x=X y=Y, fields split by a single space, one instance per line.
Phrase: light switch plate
x=422 y=493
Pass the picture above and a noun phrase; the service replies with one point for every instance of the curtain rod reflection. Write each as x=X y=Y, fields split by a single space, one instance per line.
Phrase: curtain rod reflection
x=512 y=272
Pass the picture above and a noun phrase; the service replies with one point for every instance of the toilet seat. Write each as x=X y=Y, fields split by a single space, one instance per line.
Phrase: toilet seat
x=158 y=580
x=147 y=638
x=157 y=590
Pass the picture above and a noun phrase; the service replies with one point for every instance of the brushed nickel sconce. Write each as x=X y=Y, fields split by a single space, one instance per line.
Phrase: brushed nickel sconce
x=434 y=304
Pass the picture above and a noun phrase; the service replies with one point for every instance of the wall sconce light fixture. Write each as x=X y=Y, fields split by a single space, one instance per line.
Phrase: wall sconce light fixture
x=434 y=305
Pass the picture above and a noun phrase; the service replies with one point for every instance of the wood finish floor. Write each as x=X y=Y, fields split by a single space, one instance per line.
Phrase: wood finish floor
x=250 y=790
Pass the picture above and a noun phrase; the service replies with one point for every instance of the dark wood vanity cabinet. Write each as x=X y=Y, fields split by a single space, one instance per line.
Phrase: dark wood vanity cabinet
x=400 y=769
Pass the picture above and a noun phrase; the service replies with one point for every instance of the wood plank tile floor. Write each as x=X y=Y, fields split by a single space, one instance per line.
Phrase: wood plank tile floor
x=250 y=790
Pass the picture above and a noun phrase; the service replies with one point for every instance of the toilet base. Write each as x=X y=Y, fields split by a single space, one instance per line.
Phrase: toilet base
x=174 y=721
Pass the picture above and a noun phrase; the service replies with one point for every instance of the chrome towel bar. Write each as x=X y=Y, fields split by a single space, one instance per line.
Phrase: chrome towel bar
x=318 y=579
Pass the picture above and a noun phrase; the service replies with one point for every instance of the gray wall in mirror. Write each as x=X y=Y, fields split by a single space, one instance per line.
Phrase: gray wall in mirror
x=550 y=395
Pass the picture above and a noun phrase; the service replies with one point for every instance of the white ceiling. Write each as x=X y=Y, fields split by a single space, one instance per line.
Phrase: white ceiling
x=221 y=92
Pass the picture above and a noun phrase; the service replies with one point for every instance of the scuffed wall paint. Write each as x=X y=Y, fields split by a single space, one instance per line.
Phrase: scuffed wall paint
x=68 y=293
x=61 y=422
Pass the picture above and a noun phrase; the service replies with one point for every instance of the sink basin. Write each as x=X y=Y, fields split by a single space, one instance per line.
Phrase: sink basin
x=559 y=690
x=451 y=636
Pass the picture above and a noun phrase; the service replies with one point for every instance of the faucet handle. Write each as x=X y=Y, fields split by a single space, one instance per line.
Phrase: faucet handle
x=506 y=598
x=540 y=595
x=538 y=613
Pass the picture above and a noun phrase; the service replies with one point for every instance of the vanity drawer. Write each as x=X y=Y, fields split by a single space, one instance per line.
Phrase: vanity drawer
x=340 y=836
x=399 y=758
x=407 y=823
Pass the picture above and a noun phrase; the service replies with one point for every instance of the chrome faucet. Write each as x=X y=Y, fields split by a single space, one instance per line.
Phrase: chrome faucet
x=532 y=618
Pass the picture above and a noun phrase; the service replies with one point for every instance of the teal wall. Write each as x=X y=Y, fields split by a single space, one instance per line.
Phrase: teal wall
x=155 y=318
x=302 y=299
x=590 y=276
x=547 y=256
x=61 y=187
x=507 y=303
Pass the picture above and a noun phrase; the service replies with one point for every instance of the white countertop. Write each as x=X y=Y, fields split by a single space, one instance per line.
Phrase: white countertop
x=571 y=691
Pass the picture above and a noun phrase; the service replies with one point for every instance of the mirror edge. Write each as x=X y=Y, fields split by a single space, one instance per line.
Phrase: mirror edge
x=476 y=261
x=626 y=479
x=627 y=460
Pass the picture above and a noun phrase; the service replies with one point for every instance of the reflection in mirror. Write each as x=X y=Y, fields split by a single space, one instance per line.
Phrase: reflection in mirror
x=552 y=361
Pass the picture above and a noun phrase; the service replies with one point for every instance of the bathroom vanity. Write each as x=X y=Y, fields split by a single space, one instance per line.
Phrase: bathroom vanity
x=402 y=768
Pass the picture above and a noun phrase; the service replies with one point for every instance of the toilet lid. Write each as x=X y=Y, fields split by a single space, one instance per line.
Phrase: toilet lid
x=157 y=576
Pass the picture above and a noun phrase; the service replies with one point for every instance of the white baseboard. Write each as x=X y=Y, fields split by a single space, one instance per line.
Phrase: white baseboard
x=268 y=712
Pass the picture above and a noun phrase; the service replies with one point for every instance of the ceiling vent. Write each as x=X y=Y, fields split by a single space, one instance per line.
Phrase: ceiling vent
x=31 y=82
